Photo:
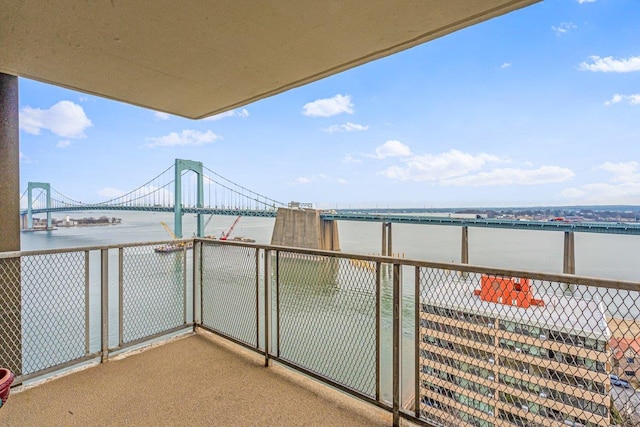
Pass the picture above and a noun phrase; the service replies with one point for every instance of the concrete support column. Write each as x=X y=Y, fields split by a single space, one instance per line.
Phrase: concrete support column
x=10 y=290
x=9 y=165
x=387 y=240
x=569 y=259
x=464 y=255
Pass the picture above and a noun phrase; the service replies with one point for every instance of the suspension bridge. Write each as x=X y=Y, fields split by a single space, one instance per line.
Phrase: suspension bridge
x=189 y=187
x=185 y=187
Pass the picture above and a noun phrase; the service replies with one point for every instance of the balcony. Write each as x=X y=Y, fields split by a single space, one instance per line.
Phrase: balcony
x=193 y=380
x=394 y=339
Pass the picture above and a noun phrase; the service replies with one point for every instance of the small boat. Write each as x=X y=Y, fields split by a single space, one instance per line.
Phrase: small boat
x=242 y=239
x=232 y=239
x=173 y=247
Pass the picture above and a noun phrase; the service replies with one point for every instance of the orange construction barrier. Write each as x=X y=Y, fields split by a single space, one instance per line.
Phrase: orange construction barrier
x=508 y=291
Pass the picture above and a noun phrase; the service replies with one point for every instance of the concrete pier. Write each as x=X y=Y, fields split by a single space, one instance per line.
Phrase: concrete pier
x=303 y=228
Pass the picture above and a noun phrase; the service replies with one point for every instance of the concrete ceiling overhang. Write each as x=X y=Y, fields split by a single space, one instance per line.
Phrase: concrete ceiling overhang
x=199 y=58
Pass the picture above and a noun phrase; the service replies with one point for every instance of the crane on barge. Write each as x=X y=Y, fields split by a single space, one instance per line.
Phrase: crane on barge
x=226 y=235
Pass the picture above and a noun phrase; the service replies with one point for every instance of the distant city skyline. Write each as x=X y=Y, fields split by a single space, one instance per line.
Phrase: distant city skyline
x=540 y=107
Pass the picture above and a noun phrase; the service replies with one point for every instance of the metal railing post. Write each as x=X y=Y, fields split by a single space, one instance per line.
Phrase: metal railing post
x=257 y=253
x=87 y=339
x=378 y=327
x=104 y=304
x=120 y=297
x=267 y=306
x=397 y=269
x=184 y=286
x=197 y=266
x=416 y=339
x=278 y=303
x=201 y=287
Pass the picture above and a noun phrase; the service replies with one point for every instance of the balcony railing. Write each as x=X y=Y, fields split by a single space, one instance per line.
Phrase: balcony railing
x=429 y=342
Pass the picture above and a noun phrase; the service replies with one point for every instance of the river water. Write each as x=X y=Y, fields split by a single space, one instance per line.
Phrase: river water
x=597 y=255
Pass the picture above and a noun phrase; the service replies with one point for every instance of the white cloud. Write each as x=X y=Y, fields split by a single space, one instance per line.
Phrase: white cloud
x=391 y=148
x=347 y=127
x=328 y=107
x=504 y=65
x=623 y=186
x=564 y=27
x=350 y=159
x=439 y=167
x=622 y=172
x=573 y=193
x=610 y=64
x=186 y=137
x=63 y=144
x=227 y=114
x=111 y=193
x=66 y=119
x=512 y=176
x=161 y=116
x=321 y=177
x=586 y=1
x=631 y=99
x=605 y=193
x=302 y=180
x=24 y=158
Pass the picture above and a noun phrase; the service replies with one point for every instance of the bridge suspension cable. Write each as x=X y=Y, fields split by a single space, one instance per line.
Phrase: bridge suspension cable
x=244 y=195
x=139 y=193
x=159 y=193
x=62 y=200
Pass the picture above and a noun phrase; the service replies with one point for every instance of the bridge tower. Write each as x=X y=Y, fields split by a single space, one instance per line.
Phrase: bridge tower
x=182 y=165
x=30 y=187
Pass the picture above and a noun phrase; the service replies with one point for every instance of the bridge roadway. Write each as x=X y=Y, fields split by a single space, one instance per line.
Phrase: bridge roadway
x=579 y=227
x=189 y=210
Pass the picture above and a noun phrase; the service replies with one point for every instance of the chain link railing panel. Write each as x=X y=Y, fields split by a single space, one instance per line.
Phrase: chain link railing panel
x=153 y=291
x=498 y=350
x=229 y=280
x=327 y=317
x=10 y=315
x=495 y=347
x=53 y=326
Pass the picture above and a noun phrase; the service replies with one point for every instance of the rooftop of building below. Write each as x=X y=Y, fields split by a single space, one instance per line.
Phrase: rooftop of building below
x=197 y=379
x=580 y=316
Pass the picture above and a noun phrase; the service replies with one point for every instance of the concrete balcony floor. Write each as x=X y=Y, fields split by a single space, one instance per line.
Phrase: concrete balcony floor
x=197 y=380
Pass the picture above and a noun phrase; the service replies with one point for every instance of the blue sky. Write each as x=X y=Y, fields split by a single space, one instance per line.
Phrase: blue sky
x=538 y=107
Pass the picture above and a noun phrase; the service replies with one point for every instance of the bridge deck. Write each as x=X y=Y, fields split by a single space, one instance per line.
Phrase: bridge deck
x=578 y=227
